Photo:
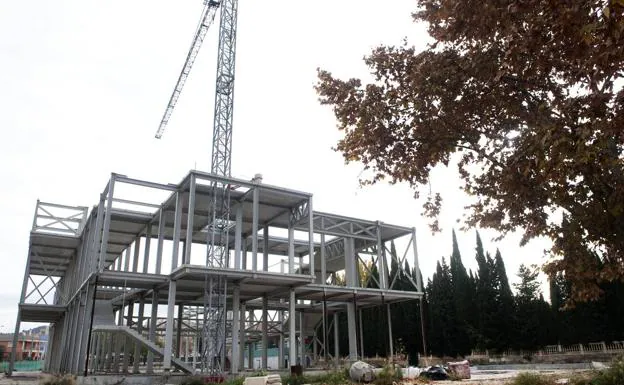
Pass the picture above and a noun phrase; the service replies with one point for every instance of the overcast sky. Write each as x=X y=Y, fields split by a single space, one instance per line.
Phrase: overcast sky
x=84 y=85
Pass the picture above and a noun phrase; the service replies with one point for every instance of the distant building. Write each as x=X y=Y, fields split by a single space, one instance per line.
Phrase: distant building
x=31 y=344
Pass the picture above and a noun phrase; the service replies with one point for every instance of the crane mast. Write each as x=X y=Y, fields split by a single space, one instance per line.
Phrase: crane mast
x=213 y=333
x=214 y=330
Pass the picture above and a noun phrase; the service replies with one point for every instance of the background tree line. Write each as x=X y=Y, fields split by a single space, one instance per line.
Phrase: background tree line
x=465 y=310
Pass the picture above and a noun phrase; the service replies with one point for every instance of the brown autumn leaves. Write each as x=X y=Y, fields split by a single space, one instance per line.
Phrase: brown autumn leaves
x=526 y=98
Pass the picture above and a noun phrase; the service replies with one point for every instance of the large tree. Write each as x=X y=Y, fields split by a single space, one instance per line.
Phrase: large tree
x=525 y=98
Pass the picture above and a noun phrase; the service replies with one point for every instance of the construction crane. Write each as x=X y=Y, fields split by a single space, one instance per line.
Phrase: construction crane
x=214 y=327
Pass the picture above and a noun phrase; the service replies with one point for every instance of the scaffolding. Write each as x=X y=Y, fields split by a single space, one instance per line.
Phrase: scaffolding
x=123 y=284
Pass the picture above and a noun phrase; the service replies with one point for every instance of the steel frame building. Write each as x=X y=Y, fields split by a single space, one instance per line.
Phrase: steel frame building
x=94 y=274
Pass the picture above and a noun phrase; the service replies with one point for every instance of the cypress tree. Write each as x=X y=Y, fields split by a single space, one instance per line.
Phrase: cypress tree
x=485 y=297
x=443 y=317
x=463 y=300
x=503 y=319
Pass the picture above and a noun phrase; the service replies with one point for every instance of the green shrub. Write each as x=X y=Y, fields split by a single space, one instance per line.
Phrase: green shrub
x=388 y=375
x=295 y=380
x=532 y=379
x=614 y=375
x=336 y=377
x=236 y=381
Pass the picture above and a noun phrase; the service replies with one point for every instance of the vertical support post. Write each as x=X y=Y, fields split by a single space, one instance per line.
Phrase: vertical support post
x=235 y=329
x=390 y=337
x=250 y=356
x=361 y=334
x=314 y=346
x=169 y=327
x=325 y=346
x=179 y=331
x=87 y=323
x=265 y=332
x=323 y=262
x=254 y=229
x=265 y=248
x=302 y=347
x=383 y=274
x=177 y=229
x=95 y=241
x=19 y=313
x=280 y=351
x=127 y=260
x=126 y=348
x=351 y=278
x=137 y=348
x=416 y=265
x=107 y=220
x=146 y=252
x=292 y=332
x=336 y=343
x=137 y=248
x=291 y=248
x=161 y=239
x=152 y=330
x=241 y=353
x=189 y=221
x=311 y=237
x=238 y=236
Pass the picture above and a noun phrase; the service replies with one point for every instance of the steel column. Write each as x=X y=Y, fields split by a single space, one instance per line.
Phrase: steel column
x=169 y=327
x=390 y=337
x=189 y=221
x=336 y=342
x=177 y=229
x=311 y=237
x=265 y=331
x=265 y=248
x=152 y=330
x=291 y=248
x=146 y=252
x=254 y=229
x=235 y=364
x=238 y=231
x=241 y=353
x=292 y=332
x=137 y=348
x=161 y=239
x=107 y=219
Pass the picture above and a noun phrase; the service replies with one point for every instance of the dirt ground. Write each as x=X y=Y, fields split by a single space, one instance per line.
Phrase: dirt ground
x=485 y=377
x=500 y=377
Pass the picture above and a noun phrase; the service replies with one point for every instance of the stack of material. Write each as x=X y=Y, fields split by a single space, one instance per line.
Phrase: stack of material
x=460 y=370
x=255 y=380
x=274 y=379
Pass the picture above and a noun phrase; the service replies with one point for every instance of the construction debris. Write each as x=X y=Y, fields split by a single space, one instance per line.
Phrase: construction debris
x=361 y=372
x=460 y=370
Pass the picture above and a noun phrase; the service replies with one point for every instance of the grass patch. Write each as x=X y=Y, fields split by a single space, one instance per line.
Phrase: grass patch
x=58 y=380
x=527 y=378
x=614 y=375
x=388 y=375
x=336 y=377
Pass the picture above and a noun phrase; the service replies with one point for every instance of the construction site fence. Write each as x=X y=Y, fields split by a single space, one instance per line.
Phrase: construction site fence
x=22 y=366
x=615 y=348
